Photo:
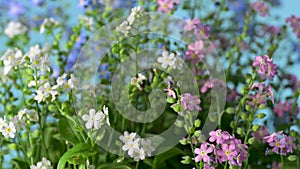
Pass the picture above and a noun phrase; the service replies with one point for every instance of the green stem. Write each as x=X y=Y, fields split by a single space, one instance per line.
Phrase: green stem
x=282 y=160
x=137 y=164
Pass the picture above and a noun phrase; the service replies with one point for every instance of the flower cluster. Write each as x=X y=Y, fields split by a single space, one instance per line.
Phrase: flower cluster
x=127 y=25
x=261 y=94
x=284 y=107
x=261 y=8
x=15 y=28
x=48 y=23
x=44 y=164
x=166 y=5
x=200 y=30
x=138 y=81
x=295 y=24
x=195 y=52
x=11 y=59
x=96 y=119
x=169 y=60
x=190 y=102
x=266 y=67
x=17 y=123
x=135 y=146
x=221 y=147
x=280 y=143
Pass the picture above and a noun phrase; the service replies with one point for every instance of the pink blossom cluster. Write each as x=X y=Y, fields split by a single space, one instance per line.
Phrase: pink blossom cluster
x=221 y=147
x=195 y=52
x=190 y=102
x=261 y=8
x=280 y=143
x=266 y=66
x=294 y=23
x=262 y=93
x=284 y=107
x=166 y=5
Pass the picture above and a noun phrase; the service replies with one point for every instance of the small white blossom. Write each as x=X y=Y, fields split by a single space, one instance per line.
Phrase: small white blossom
x=9 y=130
x=147 y=147
x=11 y=58
x=44 y=164
x=93 y=119
x=47 y=23
x=138 y=154
x=18 y=123
x=32 y=115
x=45 y=91
x=2 y=122
x=105 y=111
x=124 y=28
x=15 y=28
x=131 y=146
x=166 y=59
x=87 y=21
x=126 y=137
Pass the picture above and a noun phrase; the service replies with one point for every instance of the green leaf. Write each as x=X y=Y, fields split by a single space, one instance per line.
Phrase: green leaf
x=67 y=130
x=79 y=149
x=161 y=158
x=113 y=166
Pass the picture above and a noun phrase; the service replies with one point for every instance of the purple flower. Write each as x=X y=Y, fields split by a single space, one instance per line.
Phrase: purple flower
x=170 y=91
x=219 y=136
x=276 y=165
x=207 y=166
x=266 y=66
x=166 y=5
x=15 y=9
x=227 y=152
x=202 y=152
x=103 y=71
x=261 y=133
x=280 y=143
x=280 y=108
x=190 y=102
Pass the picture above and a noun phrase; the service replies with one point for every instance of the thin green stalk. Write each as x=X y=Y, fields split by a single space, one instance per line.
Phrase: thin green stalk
x=282 y=160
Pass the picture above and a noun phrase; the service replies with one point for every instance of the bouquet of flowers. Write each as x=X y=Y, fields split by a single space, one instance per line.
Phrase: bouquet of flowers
x=158 y=84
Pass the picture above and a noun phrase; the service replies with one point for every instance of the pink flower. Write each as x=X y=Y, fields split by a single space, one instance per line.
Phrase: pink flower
x=227 y=152
x=202 y=152
x=207 y=166
x=261 y=133
x=261 y=8
x=266 y=66
x=195 y=52
x=166 y=5
x=190 y=102
x=170 y=91
x=276 y=165
x=294 y=23
x=219 y=136
x=191 y=24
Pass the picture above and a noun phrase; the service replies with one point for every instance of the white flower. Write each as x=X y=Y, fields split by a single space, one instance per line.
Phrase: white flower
x=2 y=122
x=47 y=23
x=105 y=111
x=11 y=58
x=32 y=115
x=21 y=113
x=138 y=154
x=44 y=164
x=45 y=91
x=141 y=77
x=131 y=146
x=147 y=147
x=9 y=130
x=87 y=21
x=93 y=119
x=14 y=28
x=18 y=123
x=124 y=28
x=166 y=60
x=126 y=137
x=132 y=16
x=134 y=81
